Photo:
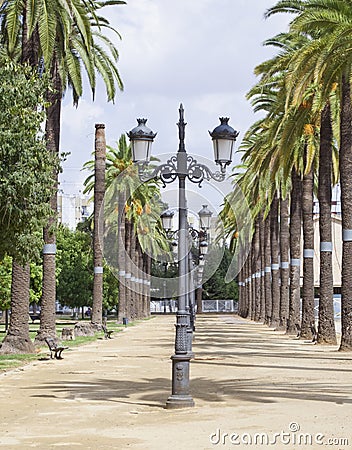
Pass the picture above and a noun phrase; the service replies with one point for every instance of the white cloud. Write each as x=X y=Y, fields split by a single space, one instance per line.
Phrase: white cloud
x=198 y=52
x=78 y=120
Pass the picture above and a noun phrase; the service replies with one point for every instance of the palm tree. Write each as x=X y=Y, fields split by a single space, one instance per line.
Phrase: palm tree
x=326 y=324
x=327 y=61
x=98 y=236
x=284 y=261
x=295 y=253
x=17 y=338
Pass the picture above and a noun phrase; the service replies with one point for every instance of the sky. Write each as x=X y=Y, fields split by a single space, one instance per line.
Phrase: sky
x=200 y=53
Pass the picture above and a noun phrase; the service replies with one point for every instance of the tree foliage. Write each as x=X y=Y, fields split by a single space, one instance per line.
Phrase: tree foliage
x=215 y=287
x=26 y=169
x=75 y=269
x=74 y=261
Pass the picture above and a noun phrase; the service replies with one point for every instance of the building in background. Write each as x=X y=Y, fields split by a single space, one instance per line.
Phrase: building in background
x=73 y=209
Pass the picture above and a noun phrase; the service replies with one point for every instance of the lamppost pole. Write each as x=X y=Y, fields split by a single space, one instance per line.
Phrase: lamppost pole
x=182 y=166
x=180 y=396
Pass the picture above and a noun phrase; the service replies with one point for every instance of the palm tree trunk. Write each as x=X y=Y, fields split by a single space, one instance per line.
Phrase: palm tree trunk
x=284 y=263
x=326 y=326
x=244 y=311
x=295 y=253
x=17 y=339
x=267 y=271
x=262 y=265
x=98 y=236
x=308 y=257
x=249 y=284
x=241 y=285
x=121 y=257
x=128 y=244
x=48 y=302
x=256 y=269
x=346 y=207
x=275 y=272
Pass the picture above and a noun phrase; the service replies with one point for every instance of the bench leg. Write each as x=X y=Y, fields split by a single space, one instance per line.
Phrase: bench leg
x=58 y=354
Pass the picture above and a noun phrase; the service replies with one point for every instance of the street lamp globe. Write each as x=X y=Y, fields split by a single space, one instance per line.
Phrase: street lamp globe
x=141 y=138
x=223 y=137
x=204 y=217
x=203 y=248
x=166 y=219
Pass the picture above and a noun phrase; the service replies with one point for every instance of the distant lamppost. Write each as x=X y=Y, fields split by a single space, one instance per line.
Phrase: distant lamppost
x=204 y=224
x=204 y=218
x=181 y=166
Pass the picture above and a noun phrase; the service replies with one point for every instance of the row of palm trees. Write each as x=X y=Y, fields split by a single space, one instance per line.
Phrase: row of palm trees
x=301 y=146
x=62 y=39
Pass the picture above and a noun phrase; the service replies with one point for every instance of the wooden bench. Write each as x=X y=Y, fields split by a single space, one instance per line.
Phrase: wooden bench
x=107 y=333
x=54 y=349
x=34 y=317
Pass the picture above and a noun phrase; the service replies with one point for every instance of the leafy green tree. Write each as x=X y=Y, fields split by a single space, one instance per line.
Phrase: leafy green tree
x=65 y=38
x=26 y=178
x=5 y=285
x=215 y=287
x=26 y=181
x=74 y=261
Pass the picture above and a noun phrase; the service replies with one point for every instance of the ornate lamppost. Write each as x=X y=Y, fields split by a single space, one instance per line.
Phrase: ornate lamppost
x=181 y=166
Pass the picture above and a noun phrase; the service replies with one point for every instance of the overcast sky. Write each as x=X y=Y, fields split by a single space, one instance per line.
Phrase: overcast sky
x=198 y=52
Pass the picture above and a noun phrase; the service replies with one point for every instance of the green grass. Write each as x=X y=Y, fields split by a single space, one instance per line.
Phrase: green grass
x=13 y=361
x=17 y=360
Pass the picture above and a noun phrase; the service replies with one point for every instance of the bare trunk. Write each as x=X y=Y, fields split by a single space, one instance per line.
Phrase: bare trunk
x=326 y=326
x=129 y=294
x=249 y=285
x=284 y=263
x=267 y=271
x=241 y=286
x=275 y=272
x=121 y=257
x=98 y=237
x=346 y=204
x=256 y=270
x=48 y=302
x=149 y=269
x=262 y=265
x=17 y=339
x=295 y=253
x=308 y=257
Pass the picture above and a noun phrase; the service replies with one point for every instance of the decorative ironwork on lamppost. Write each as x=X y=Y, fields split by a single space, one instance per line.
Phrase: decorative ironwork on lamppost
x=181 y=166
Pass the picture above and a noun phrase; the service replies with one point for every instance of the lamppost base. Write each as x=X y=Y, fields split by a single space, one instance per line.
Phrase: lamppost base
x=179 y=401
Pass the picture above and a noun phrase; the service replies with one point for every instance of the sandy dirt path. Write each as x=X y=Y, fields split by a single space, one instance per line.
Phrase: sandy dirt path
x=254 y=388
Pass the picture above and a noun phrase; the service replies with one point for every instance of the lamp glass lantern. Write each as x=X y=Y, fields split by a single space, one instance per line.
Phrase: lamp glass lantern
x=141 y=138
x=204 y=217
x=203 y=248
x=223 y=137
x=166 y=219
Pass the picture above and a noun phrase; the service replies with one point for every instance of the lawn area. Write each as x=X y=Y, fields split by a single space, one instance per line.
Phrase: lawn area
x=8 y=362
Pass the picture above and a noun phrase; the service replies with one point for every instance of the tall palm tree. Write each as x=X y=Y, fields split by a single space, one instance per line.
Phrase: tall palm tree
x=17 y=338
x=295 y=253
x=328 y=59
x=98 y=236
x=326 y=324
x=284 y=261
